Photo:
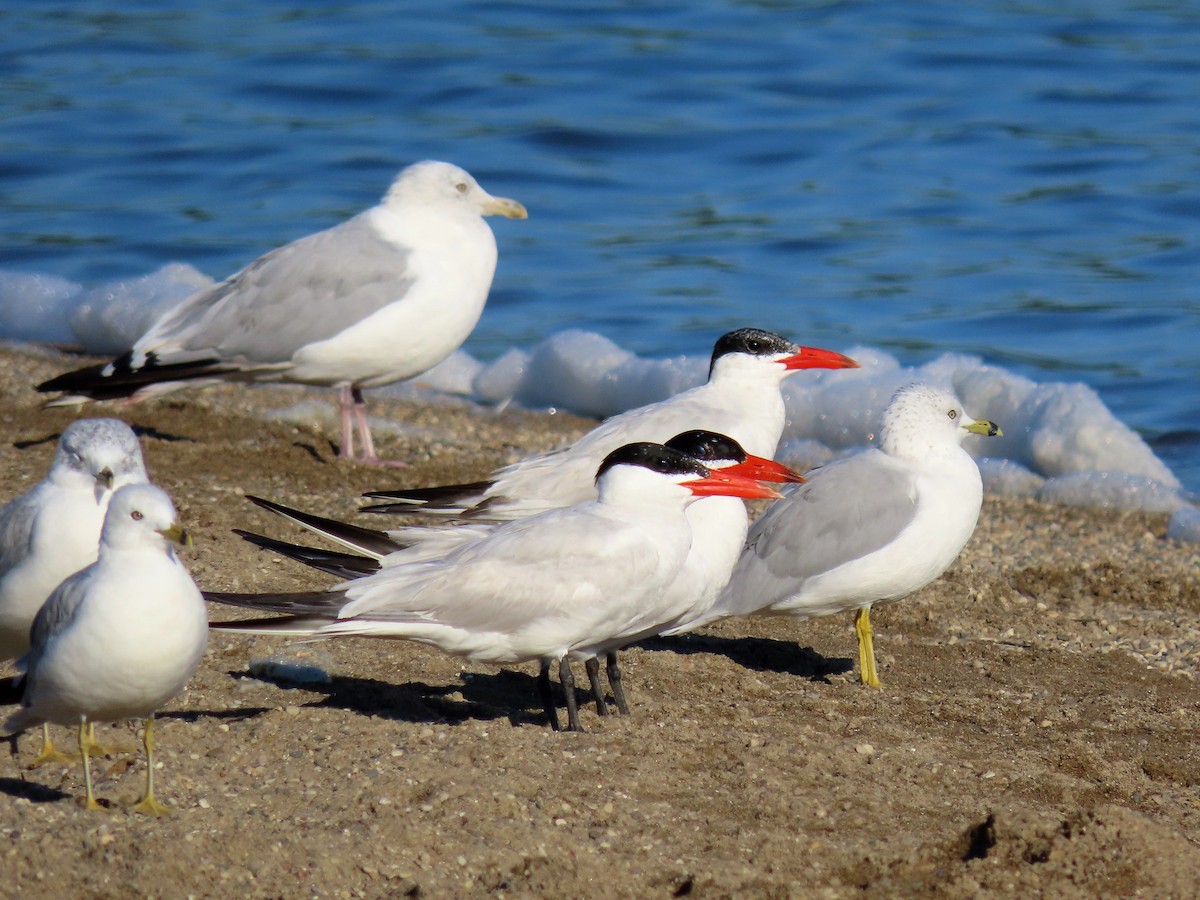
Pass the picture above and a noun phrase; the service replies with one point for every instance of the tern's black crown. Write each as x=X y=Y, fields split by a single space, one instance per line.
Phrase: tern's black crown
x=654 y=457
x=752 y=341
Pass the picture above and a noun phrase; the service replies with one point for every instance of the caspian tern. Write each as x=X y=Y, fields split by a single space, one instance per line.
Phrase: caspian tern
x=53 y=529
x=741 y=399
x=120 y=638
x=718 y=525
x=554 y=586
x=865 y=530
x=380 y=298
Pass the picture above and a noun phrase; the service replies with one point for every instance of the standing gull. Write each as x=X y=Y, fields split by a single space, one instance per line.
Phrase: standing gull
x=740 y=399
x=53 y=529
x=121 y=638
x=872 y=528
x=380 y=298
x=551 y=587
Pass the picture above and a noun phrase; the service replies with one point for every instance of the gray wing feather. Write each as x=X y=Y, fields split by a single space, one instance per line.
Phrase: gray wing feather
x=502 y=591
x=848 y=510
x=16 y=530
x=58 y=610
x=307 y=291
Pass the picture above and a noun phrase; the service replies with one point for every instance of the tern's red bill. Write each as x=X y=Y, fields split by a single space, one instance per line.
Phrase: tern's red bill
x=723 y=484
x=761 y=469
x=817 y=358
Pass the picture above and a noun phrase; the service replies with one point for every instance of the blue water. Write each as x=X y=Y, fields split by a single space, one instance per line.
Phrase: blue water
x=1015 y=180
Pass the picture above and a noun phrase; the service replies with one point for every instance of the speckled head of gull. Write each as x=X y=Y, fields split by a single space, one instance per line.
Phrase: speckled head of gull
x=121 y=638
x=53 y=529
x=871 y=528
x=380 y=298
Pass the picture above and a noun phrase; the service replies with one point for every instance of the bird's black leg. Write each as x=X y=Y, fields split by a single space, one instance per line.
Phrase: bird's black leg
x=593 y=671
x=567 y=679
x=546 y=690
x=614 y=682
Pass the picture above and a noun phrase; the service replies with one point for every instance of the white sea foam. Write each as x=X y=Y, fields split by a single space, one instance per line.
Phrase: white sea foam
x=1060 y=443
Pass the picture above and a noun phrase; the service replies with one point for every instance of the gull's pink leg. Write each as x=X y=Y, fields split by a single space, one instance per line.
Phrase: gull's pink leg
x=345 y=404
x=364 y=434
x=364 y=428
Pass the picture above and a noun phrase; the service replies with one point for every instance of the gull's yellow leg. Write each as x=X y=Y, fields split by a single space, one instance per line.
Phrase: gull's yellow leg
x=866 y=648
x=149 y=804
x=98 y=749
x=90 y=801
x=49 y=753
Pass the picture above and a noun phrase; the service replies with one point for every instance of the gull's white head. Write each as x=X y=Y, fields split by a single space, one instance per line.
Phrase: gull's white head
x=100 y=453
x=141 y=515
x=752 y=351
x=446 y=186
x=920 y=418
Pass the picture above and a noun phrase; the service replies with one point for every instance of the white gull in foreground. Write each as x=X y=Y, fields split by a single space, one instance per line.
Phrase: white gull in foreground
x=740 y=399
x=868 y=529
x=380 y=298
x=53 y=529
x=121 y=638
x=560 y=585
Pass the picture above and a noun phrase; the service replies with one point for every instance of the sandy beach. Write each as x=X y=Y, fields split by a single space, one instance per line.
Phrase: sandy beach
x=1038 y=732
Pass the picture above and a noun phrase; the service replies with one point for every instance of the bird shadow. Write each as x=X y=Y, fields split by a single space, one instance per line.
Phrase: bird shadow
x=147 y=431
x=153 y=433
x=32 y=791
x=759 y=654
x=478 y=696
x=240 y=714
x=312 y=451
x=11 y=690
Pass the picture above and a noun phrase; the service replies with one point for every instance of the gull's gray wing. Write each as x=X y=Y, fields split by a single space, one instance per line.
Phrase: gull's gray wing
x=56 y=613
x=301 y=293
x=58 y=610
x=847 y=510
x=16 y=530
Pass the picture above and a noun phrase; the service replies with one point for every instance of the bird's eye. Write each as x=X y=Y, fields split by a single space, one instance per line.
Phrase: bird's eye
x=136 y=515
x=953 y=414
x=461 y=187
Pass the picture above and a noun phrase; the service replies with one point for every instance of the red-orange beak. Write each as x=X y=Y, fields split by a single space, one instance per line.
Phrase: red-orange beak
x=761 y=469
x=816 y=358
x=722 y=484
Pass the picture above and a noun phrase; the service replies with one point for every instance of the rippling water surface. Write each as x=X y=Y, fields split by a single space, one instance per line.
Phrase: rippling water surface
x=1014 y=180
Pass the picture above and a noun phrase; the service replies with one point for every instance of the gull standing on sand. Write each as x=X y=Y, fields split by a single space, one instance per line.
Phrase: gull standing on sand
x=718 y=526
x=741 y=399
x=121 y=638
x=380 y=298
x=552 y=587
x=865 y=530
x=53 y=529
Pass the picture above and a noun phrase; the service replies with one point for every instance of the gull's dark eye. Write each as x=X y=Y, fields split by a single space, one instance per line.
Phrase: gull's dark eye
x=136 y=515
x=461 y=187
x=953 y=414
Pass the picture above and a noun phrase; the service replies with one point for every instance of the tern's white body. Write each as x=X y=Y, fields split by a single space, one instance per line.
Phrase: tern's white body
x=565 y=583
x=53 y=530
x=741 y=399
